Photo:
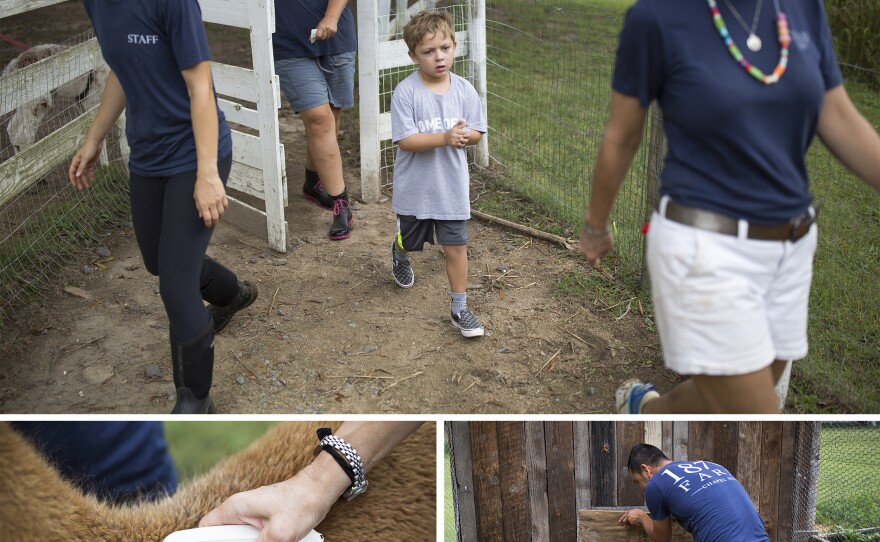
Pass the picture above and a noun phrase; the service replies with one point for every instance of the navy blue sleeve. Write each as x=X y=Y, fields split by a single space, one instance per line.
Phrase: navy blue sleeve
x=639 y=68
x=182 y=21
x=654 y=502
x=829 y=66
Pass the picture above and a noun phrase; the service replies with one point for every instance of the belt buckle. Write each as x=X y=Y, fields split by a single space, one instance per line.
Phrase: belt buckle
x=805 y=219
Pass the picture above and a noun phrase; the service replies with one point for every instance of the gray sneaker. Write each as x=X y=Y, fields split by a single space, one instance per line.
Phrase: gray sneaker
x=467 y=323
x=401 y=269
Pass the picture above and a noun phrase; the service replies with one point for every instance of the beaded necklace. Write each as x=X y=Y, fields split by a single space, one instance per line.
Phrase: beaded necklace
x=784 y=41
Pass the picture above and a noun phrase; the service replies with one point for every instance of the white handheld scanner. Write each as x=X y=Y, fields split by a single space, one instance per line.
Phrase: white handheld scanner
x=227 y=533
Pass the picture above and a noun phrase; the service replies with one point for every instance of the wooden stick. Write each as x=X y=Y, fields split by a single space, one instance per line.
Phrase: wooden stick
x=525 y=229
x=548 y=361
x=402 y=379
x=278 y=289
x=248 y=369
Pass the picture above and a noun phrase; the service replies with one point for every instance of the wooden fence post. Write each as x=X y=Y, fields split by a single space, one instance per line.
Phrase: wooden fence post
x=368 y=88
x=477 y=38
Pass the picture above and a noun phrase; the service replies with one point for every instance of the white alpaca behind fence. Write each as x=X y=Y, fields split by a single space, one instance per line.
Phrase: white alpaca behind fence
x=83 y=92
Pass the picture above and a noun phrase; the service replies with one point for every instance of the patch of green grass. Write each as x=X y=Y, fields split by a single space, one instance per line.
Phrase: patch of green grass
x=449 y=510
x=849 y=475
x=198 y=446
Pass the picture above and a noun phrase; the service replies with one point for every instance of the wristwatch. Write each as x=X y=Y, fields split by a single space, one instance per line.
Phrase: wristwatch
x=348 y=458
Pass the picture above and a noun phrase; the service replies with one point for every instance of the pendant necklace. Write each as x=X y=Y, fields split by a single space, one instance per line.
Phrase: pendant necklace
x=753 y=42
x=782 y=33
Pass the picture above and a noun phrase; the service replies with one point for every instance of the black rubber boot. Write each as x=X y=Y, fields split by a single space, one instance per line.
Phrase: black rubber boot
x=192 y=366
x=313 y=190
x=342 y=218
x=221 y=315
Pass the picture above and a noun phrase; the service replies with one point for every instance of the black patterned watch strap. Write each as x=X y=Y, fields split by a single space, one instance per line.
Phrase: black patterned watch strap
x=347 y=458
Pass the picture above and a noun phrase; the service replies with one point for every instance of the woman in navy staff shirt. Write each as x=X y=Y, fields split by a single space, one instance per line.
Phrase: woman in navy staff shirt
x=743 y=85
x=181 y=150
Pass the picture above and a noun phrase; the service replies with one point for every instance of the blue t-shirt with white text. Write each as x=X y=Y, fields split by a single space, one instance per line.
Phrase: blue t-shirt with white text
x=294 y=21
x=706 y=500
x=147 y=44
x=736 y=145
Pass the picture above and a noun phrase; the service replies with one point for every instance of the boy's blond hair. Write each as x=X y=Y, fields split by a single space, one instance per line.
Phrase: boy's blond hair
x=426 y=23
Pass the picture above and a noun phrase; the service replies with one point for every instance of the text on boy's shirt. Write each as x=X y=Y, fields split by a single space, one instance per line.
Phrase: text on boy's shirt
x=436 y=123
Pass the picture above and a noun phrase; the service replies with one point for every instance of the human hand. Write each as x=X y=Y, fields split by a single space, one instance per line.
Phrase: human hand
x=327 y=28
x=82 y=167
x=632 y=517
x=595 y=246
x=458 y=135
x=210 y=196
x=287 y=511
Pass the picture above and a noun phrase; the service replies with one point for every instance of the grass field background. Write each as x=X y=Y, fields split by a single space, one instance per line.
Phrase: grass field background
x=198 y=446
x=849 y=476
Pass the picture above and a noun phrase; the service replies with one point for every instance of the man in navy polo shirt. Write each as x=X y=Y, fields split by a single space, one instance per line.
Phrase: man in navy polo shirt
x=704 y=498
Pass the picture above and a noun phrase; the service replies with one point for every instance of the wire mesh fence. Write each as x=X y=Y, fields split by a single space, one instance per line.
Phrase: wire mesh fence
x=848 y=490
x=43 y=221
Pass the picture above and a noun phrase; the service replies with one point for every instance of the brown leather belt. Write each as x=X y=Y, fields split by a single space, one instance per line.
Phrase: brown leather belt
x=718 y=223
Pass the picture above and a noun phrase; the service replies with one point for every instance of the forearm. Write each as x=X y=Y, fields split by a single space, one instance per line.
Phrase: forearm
x=112 y=106
x=614 y=160
x=850 y=137
x=422 y=142
x=205 y=123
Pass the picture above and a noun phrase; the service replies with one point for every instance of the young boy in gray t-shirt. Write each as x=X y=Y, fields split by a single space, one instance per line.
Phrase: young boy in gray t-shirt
x=434 y=115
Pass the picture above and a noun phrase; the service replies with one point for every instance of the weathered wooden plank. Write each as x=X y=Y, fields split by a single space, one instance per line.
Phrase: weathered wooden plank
x=246 y=218
x=726 y=436
x=245 y=178
x=477 y=52
x=8 y=8
x=654 y=434
x=368 y=101
x=771 y=463
x=29 y=166
x=463 y=485
x=487 y=491
x=785 y=520
x=514 y=484
x=560 y=480
x=227 y=12
x=536 y=464
x=604 y=526
x=679 y=441
x=700 y=441
x=749 y=459
x=39 y=78
x=582 y=465
x=628 y=435
x=235 y=82
x=603 y=471
x=239 y=114
x=668 y=438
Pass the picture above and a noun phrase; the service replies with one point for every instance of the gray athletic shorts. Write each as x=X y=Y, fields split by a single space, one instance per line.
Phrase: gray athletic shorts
x=310 y=82
x=414 y=233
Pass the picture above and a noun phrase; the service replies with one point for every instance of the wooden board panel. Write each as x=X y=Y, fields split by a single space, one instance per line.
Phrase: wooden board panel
x=514 y=484
x=536 y=464
x=226 y=12
x=679 y=441
x=726 y=439
x=668 y=438
x=700 y=441
x=603 y=526
x=751 y=457
x=628 y=434
x=785 y=519
x=603 y=471
x=582 y=465
x=771 y=458
x=484 y=452
x=560 y=480
x=246 y=218
x=463 y=485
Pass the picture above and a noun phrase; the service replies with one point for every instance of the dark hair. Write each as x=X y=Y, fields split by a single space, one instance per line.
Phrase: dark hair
x=644 y=454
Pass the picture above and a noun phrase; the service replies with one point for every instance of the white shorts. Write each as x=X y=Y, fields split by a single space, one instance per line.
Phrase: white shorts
x=728 y=305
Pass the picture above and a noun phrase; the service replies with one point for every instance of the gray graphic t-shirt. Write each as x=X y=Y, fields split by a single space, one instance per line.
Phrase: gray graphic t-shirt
x=433 y=184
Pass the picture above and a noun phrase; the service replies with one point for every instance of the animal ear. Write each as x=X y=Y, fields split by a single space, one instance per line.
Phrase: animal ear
x=43 y=104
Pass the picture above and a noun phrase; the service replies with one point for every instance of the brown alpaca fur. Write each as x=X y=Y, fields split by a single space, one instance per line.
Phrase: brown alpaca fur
x=37 y=505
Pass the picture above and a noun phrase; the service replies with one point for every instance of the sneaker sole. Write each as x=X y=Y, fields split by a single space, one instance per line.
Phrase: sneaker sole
x=316 y=201
x=620 y=396
x=469 y=332
x=346 y=235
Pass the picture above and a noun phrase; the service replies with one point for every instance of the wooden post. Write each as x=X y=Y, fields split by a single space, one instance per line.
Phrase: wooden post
x=463 y=482
x=536 y=463
x=262 y=19
x=368 y=85
x=477 y=39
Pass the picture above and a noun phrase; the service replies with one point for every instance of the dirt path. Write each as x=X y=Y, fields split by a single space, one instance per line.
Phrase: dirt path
x=331 y=332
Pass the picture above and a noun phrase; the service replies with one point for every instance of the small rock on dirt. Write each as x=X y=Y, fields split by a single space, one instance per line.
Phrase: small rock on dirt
x=98 y=374
x=87 y=269
x=103 y=252
x=241 y=380
x=132 y=266
x=152 y=370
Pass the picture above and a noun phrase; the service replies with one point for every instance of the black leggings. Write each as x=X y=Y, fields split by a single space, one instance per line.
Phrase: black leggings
x=173 y=240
